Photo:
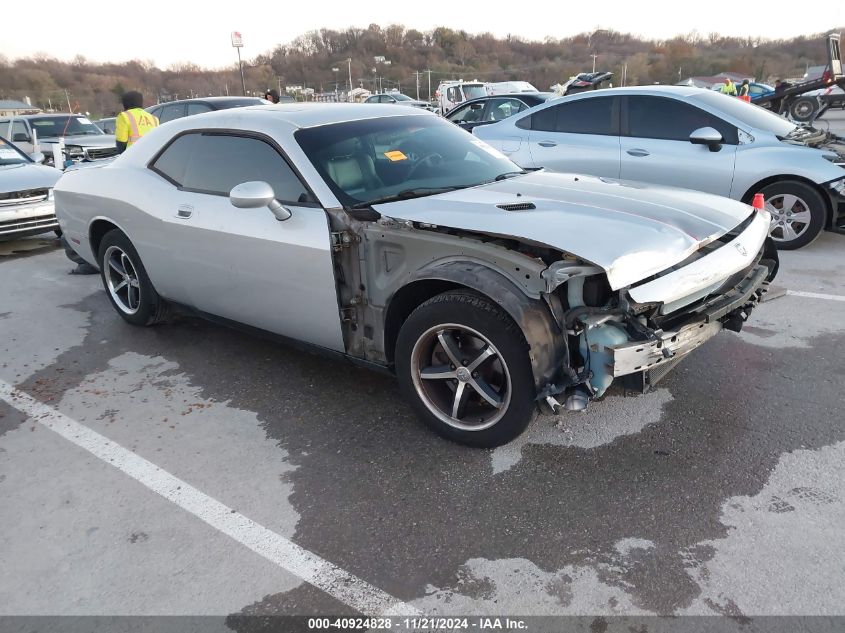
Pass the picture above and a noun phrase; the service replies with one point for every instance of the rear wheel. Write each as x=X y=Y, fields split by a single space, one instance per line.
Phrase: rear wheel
x=126 y=282
x=463 y=364
x=798 y=213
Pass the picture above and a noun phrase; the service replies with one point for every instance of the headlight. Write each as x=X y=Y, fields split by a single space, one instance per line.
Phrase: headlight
x=836 y=159
x=838 y=186
x=74 y=150
x=50 y=193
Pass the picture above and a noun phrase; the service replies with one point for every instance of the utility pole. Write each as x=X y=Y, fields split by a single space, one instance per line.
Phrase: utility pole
x=349 y=66
x=594 y=61
x=428 y=70
x=67 y=96
x=417 y=74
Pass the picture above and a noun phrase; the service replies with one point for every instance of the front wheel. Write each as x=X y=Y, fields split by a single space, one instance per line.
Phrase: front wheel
x=129 y=289
x=463 y=364
x=798 y=213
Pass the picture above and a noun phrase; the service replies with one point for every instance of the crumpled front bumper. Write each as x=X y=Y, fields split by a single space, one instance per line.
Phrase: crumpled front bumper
x=669 y=347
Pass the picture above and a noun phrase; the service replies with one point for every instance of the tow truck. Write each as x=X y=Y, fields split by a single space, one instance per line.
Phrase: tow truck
x=795 y=100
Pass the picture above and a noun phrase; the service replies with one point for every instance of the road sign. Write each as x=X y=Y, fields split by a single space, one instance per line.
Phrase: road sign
x=237 y=40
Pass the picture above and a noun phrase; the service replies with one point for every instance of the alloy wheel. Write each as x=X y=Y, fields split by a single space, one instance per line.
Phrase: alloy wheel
x=461 y=377
x=122 y=280
x=790 y=217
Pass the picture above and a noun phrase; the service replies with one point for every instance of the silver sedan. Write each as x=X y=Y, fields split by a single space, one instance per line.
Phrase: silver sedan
x=691 y=138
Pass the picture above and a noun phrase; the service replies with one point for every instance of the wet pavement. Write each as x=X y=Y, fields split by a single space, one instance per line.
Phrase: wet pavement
x=722 y=492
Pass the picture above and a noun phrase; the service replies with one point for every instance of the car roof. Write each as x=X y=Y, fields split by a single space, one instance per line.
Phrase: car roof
x=45 y=115
x=303 y=115
x=677 y=91
x=223 y=99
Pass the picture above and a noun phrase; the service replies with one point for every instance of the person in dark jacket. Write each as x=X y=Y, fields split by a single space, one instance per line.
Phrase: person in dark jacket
x=272 y=95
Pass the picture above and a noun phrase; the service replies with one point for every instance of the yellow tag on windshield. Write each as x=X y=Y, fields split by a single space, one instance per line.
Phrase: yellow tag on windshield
x=395 y=155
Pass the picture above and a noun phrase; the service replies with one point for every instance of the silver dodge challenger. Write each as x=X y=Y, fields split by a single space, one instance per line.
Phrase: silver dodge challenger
x=395 y=239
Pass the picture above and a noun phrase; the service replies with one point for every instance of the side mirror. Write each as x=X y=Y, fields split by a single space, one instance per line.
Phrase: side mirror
x=707 y=136
x=256 y=194
x=21 y=137
x=38 y=157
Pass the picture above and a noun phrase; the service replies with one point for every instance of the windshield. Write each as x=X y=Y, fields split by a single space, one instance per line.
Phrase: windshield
x=751 y=115
x=473 y=92
x=64 y=125
x=10 y=155
x=365 y=161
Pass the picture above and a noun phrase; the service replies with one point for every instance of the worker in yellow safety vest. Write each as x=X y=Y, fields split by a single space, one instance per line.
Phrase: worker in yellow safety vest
x=729 y=88
x=133 y=122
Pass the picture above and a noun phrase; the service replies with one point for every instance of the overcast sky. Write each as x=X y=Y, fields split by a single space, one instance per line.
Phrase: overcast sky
x=186 y=30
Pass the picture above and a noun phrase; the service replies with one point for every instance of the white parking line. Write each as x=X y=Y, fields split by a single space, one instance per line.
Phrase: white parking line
x=815 y=295
x=340 y=584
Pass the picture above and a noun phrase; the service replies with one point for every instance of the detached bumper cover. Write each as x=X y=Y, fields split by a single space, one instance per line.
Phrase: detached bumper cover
x=669 y=347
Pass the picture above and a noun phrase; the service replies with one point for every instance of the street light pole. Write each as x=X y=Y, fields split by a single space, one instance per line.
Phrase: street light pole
x=594 y=61
x=349 y=65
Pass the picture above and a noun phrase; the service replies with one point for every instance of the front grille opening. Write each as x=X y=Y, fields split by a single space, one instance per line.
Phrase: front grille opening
x=25 y=195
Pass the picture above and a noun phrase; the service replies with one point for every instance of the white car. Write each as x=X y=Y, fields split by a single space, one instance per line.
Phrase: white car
x=26 y=194
x=392 y=237
x=690 y=138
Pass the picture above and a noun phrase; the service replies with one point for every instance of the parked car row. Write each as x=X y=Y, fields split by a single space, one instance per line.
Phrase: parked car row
x=391 y=237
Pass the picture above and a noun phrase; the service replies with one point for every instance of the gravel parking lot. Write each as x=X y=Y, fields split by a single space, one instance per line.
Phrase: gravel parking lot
x=273 y=481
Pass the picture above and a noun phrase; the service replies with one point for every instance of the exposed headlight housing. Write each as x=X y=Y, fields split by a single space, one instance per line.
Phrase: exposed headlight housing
x=836 y=159
x=839 y=185
x=50 y=193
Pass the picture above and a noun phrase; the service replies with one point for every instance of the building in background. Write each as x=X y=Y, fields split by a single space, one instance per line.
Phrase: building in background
x=11 y=107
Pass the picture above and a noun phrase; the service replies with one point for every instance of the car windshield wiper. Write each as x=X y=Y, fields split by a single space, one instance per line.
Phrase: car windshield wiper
x=408 y=194
x=509 y=174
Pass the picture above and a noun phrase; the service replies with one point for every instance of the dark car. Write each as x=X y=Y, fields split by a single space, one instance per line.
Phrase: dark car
x=187 y=107
x=484 y=110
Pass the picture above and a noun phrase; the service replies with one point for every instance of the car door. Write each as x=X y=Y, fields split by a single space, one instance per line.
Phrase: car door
x=580 y=136
x=244 y=264
x=656 y=145
x=17 y=131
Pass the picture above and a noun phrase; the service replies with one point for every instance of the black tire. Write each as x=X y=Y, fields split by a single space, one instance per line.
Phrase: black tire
x=464 y=309
x=804 y=109
x=810 y=198
x=150 y=308
x=58 y=233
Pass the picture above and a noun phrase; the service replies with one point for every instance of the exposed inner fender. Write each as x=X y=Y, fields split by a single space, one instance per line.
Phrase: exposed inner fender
x=548 y=351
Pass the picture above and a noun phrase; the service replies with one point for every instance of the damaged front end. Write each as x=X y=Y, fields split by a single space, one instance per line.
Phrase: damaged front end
x=633 y=336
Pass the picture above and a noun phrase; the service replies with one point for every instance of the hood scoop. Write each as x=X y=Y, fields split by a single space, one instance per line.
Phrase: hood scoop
x=517 y=206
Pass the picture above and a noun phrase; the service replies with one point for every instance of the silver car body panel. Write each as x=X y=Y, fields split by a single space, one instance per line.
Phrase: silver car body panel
x=709 y=271
x=733 y=171
x=645 y=229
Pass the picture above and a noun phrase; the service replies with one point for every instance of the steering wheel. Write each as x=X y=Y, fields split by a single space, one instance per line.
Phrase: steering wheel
x=432 y=159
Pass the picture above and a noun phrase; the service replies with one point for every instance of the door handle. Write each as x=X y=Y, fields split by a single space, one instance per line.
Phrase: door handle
x=546 y=143
x=184 y=211
x=638 y=152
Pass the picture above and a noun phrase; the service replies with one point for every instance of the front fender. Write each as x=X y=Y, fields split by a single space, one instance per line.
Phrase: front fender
x=546 y=341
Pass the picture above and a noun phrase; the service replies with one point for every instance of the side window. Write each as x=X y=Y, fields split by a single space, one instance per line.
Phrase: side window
x=214 y=163
x=499 y=109
x=672 y=120
x=174 y=160
x=453 y=95
x=156 y=112
x=371 y=100
x=198 y=108
x=19 y=132
x=467 y=113
x=172 y=111
x=586 y=116
x=544 y=120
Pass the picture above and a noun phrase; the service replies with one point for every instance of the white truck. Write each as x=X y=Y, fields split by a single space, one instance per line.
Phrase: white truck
x=451 y=93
